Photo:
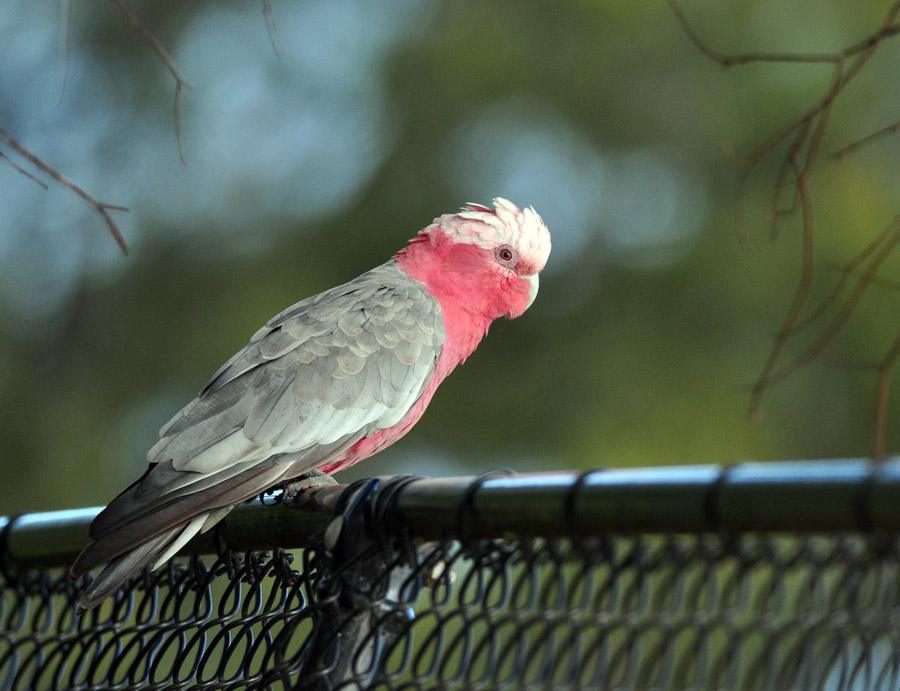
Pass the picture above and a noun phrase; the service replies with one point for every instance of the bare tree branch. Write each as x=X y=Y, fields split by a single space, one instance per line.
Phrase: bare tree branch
x=847 y=270
x=893 y=128
x=885 y=372
x=806 y=133
x=847 y=308
x=817 y=114
x=800 y=295
x=729 y=60
x=180 y=82
x=64 y=9
x=102 y=208
x=270 y=25
x=24 y=172
x=887 y=29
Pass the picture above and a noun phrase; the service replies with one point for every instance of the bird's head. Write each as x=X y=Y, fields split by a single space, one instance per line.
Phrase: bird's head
x=485 y=259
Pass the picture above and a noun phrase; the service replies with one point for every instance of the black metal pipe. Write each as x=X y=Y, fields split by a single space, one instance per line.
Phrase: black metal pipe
x=823 y=496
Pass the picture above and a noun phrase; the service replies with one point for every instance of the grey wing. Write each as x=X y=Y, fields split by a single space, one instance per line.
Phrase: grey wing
x=356 y=357
x=318 y=377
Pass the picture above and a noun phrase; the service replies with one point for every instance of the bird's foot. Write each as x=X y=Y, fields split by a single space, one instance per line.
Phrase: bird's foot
x=307 y=481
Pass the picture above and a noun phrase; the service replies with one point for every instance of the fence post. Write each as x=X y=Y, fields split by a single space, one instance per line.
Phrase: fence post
x=361 y=603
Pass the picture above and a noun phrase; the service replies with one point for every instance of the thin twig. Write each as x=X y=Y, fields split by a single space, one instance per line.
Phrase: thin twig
x=729 y=60
x=838 y=83
x=102 y=208
x=781 y=183
x=849 y=365
x=815 y=144
x=847 y=270
x=885 y=371
x=877 y=281
x=800 y=294
x=64 y=10
x=815 y=120
x=180 y=82
x=861 y=52
x=893 y=128
x=887 y=29
x=847 y=308
x=24 y=172
x=270 y=25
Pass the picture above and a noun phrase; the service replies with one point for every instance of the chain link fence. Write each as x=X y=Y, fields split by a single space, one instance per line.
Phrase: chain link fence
x=645 y=579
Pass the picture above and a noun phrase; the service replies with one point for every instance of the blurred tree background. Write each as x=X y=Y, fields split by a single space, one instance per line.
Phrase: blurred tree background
x=309 y=166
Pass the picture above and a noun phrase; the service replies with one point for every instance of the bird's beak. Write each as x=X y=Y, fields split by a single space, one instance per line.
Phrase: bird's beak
x=532 y=289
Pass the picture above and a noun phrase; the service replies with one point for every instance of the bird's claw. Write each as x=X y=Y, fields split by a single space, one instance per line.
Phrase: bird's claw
x=307 y=481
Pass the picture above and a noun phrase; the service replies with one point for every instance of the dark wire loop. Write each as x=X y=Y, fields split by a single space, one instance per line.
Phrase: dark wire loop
x=385 y=521
x=466 y=509
x=363 y=553
x=7 y=561
x=572 y=498
x=377 y=499
x=224 y=548
x=357 y=491
x=712 y=513
x=347 y=507
x=384 y=503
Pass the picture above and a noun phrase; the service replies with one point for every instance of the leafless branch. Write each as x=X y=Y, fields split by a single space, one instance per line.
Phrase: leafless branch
x=885 y=372
x=800 y=295
x=887 y=29
x=816 y=116
x=782 y=183
x=846 y=309
x=24 y=172
x=849 y=365
x=847 y=270
x=729 y=60
x=893 y=128
x=270 y=25
x=806 y=133
x=789 y=167
x=180 y=82
x=102 y=208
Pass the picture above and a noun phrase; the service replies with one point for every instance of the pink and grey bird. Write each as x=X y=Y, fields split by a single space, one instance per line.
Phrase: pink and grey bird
x=324 y=384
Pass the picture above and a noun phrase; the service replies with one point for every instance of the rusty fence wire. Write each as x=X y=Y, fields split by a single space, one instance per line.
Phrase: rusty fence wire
x=759 y=576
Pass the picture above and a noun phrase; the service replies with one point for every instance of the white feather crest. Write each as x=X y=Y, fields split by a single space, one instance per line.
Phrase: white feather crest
x=506 y=223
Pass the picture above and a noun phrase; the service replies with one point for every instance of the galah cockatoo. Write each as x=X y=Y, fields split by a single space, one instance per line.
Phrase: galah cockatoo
x=326 y=383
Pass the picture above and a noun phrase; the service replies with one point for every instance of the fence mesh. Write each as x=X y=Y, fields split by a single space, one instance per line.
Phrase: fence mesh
x=371 y=607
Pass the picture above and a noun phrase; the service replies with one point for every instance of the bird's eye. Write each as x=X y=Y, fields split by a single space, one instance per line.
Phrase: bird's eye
x=506 y=255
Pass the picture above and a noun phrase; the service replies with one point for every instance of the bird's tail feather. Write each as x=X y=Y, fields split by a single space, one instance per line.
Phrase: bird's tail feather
x=181 y=539
x=156 y=551
x=120 y=569
x=150 y=533
x=154 y=537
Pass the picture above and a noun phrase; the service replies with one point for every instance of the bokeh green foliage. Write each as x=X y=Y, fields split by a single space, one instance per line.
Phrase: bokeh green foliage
x=652 y=321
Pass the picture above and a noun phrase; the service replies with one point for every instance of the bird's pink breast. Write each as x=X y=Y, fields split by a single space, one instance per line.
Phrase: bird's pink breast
x=463 y=329
x=368 y=446
x=449 y=358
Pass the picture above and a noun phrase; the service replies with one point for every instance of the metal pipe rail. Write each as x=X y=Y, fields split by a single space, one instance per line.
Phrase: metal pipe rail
x=820 y=496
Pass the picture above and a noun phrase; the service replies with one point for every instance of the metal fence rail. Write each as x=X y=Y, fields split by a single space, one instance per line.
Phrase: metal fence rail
x=757 y=576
